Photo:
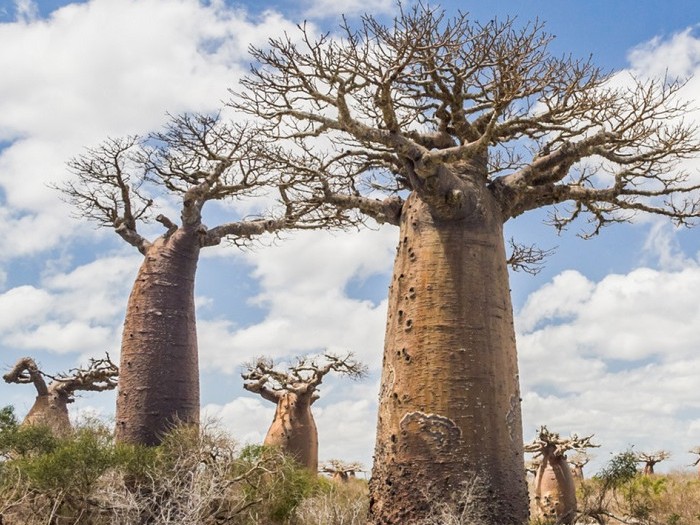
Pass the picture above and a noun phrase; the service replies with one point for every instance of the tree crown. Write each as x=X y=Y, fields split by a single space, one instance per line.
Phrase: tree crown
x=98 y=375
x=302 y=377
x=452 y=108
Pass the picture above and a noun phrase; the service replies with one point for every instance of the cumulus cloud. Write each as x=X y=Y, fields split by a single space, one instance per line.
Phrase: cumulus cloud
x=617 y=357
x=98 y=69
x=332 y=8
x=304 y=284
x=79 y=311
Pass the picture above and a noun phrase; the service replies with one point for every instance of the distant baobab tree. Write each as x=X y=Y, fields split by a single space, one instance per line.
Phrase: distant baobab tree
x=447 y=129
x=696 y=463
x=555 y=492
x=578 y=461
x=650 y=460
x=340 y=470
x=50 y=407
x=293 y=391
x=195 y=160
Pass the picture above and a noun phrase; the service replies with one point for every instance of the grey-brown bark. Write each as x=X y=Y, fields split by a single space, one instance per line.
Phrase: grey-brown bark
x=448 y=129
x=196 y=159
x=554 y=489
x=50 y=407
x=293 y=429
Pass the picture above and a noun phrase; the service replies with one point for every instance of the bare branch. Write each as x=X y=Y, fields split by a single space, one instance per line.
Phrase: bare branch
x=549 y=443
x=98 y=376
x=529 y=259
x=301 y=378
x=26 y=371
x=453 y=108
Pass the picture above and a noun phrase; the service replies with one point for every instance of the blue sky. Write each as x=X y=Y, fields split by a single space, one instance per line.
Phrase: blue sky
x=606 y=333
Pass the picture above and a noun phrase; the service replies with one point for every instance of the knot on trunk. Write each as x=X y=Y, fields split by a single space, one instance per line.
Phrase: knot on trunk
x=428 y=436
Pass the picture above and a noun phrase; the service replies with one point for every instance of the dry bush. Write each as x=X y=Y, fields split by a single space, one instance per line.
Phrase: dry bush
x=470 y=506
x=193 y=478
x=346 y=503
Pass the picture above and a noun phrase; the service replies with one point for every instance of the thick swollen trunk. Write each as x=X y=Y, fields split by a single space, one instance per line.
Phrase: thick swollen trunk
x=294 y=431
x=449 y=406
x=159 y=372
x=50 y=410
x=555 y=491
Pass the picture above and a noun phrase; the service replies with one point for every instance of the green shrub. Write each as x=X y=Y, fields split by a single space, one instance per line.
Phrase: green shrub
x=18 y=441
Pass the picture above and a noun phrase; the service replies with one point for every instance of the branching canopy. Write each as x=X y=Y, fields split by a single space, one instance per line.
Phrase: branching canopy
x=196 y=158
x=302 y=378
x=653 y=458
x=99 y=375
x=450 y=108
x=337 y=466
x=580 y=459
x=549 y=443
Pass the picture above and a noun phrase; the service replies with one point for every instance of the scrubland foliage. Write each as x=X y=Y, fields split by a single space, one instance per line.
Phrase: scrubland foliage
x=192 y=478
x=205 y=478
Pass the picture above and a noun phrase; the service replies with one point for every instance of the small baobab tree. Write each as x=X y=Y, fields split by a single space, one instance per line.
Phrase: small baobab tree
x=696 y=463
x=294 y=390
x=577 y=462
x=50 y=407
x=651 y=459
x=195 y=160
x=447 y=129
x=341 y=471
x=555 y=492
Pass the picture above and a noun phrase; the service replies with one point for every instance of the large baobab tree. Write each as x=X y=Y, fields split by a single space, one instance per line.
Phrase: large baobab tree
x=555 y=492
x=651 y=459
x=294 y=390
x=194 y=160
x=448 y=129
x=51 y=404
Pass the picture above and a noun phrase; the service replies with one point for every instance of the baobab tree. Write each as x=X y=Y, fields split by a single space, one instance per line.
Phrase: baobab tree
x=696 y=463
x=555 y=492
x=50 y=407
x=650 y=460
x=294 y=390
x=341 y=471
x=448 y=129
x=194 y=160
x=577 y=462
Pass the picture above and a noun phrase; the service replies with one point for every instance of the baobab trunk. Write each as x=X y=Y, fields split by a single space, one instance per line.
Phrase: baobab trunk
x=50 y=410
x=449 y=404
x=294 y=430
x=159 y=381
x=555 y=491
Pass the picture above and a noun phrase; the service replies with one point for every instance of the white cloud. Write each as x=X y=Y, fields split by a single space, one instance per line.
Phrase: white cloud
x=76 y=312
x=333 y=8
x=677 y=56
x=617 y=357
x=103 y=68
x=304 y=283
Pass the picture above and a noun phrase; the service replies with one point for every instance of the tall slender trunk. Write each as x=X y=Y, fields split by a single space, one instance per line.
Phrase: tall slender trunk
x=50 y=410
x=159 y=372
x=449 y=406
x=294 y=430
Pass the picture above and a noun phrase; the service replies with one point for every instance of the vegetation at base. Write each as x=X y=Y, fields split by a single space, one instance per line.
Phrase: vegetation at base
x=192 y=478
x=203 y=478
